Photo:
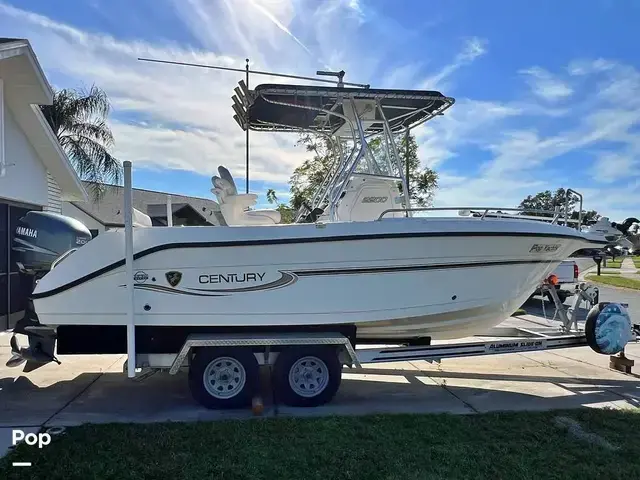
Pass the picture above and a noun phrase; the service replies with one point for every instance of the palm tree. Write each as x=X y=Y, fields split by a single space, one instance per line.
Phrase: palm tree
x=79 y=119
x=271 y=196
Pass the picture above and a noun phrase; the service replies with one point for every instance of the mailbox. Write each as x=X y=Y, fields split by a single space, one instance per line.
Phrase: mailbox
x=598 y=260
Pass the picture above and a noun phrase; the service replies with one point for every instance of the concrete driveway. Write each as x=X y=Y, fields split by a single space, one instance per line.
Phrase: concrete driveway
x=94 y=389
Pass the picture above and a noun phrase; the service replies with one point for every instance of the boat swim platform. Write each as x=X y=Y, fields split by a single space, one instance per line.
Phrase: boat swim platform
x=93 y=389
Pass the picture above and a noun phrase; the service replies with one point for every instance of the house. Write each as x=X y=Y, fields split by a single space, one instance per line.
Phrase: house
x=106 y=214
x=35 y=173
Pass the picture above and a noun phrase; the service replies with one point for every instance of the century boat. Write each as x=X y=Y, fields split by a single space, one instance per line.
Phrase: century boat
x=358 y=256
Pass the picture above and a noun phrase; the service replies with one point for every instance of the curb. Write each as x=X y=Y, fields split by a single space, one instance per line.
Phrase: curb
x=619 y=287
x=587 y=272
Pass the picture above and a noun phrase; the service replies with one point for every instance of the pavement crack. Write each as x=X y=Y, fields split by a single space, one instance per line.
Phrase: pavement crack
x=72 y=399
x=443 y=385
x=464 y=402
x=577 y=379
x=100 y=374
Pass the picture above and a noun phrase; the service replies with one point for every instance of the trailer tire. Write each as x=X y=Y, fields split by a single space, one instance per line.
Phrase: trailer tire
x=307 y=376
x=610 y=334
x=224 y=377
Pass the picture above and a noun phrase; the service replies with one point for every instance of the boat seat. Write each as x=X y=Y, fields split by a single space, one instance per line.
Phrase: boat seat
x=235 y=207
x=140 y=219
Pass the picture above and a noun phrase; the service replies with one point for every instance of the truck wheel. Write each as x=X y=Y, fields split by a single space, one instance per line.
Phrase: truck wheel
x=307 y=377
x=224 y=377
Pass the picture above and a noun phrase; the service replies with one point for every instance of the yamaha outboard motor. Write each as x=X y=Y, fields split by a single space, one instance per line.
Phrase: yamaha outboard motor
x=41 y=237
x=39 y=240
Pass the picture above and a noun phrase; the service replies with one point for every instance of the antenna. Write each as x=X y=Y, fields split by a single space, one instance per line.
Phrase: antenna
x=245 y=91
x=242 y=97
x=260 y=72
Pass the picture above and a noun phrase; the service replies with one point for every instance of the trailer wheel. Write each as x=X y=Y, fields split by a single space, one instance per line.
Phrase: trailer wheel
x=307 y=376
x=608 y=328
x=224 y=377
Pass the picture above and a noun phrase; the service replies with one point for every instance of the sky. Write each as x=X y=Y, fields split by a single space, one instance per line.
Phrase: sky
x=547 y=93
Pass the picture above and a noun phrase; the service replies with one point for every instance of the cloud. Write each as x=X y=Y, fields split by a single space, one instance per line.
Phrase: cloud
x=586 y=67
x=182 y=115
x=263 y=9
x=612 y=166
x=474 y=47
x=492 y=150
x=202 y=151
x=545 y=85
x=468 y=122
x=515 y=148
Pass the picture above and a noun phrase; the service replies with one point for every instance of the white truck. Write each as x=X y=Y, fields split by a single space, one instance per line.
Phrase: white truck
x=567 y=274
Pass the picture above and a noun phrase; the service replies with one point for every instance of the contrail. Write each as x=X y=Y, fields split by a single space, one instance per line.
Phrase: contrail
x=277 y=23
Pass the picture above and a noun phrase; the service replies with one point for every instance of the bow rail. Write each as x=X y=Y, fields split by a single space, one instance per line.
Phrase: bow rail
x=494 y=212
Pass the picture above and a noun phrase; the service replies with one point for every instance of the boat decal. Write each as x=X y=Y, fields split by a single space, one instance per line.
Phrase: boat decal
x=21 y=245
x=173 y=278
x=287 y=241
x=174 y=291
x=544 y=247
x=140 y=277
x=409 y=268
x=286 y=279
x=289 y=278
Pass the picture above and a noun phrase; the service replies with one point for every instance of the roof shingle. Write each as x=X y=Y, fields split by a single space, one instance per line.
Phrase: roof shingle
x=109 y=210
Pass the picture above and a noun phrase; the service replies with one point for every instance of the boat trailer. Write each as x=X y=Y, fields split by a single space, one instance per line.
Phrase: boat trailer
x=306 y=367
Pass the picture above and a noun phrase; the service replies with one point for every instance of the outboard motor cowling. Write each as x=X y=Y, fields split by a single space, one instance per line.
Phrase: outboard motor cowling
x=41 y=237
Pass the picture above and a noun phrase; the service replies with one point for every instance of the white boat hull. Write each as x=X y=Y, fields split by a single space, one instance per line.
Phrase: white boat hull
x=403 y=278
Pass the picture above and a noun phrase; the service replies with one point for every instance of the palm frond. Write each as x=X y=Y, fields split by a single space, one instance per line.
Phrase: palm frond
x=93 y=163
x=79 y=120
x=97 y=130
x=83 y=104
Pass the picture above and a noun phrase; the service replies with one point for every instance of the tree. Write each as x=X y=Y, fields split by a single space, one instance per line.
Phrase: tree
x=309 y=176
x=423 y=183
x=271 y=196
x=286 y=213
x=79 y=119
x=547 y=200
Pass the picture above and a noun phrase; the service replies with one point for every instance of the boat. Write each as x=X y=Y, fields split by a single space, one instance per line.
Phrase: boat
x=630 y=229
x=357 y=259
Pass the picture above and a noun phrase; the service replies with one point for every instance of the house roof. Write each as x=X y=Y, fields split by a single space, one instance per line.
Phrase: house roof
x=25 y=88
x=108 y=210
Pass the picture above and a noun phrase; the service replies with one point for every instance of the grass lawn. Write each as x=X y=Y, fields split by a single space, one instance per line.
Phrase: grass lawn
x=522 y=445
x=636 y=261
x=616 y=281
x=613 y=264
